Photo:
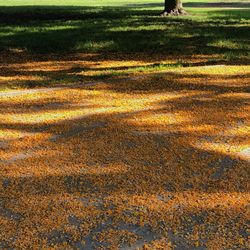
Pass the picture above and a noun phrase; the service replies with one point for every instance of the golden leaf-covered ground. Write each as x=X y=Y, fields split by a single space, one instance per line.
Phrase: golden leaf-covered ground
x=152 y=160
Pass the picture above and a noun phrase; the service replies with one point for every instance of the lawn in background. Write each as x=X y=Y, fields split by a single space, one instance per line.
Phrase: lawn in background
x=121 y=26
x=114 y=29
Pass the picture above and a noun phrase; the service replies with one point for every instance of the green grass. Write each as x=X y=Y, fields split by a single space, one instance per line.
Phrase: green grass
x=109 y=27
x=102 y=2
x=73 y=2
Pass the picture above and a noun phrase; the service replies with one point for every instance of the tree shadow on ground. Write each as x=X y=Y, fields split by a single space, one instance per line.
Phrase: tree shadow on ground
x=54 y=34
x=162 y=156
x=198 y=5
x=217 y=4
x=160 y=150
x=212 y=104
x=113 y=29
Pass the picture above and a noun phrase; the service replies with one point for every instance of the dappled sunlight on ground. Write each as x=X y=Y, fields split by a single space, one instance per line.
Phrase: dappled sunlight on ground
x=157 y=158
x=22 y=70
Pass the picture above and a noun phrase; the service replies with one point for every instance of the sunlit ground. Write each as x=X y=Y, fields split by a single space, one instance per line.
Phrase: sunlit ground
x=159 y=159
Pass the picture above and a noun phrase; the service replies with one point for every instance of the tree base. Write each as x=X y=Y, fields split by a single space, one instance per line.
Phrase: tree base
x=174 y=12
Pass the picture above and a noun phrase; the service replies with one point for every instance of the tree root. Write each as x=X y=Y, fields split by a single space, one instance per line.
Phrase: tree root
x=174 y=12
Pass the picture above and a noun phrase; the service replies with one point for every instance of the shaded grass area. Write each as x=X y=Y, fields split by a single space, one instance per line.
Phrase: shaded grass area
x=45 y=29
x=59 y=34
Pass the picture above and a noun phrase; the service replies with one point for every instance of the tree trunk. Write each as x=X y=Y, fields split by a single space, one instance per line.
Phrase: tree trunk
x=173 y=8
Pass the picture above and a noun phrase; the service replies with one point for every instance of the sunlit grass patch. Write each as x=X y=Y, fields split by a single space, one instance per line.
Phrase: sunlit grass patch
x=94 y=46
x=228 y=44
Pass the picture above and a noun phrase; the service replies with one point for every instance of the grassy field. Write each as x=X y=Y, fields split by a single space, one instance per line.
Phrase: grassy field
x=104 y=2
x=108 y=27
x=218 y=32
